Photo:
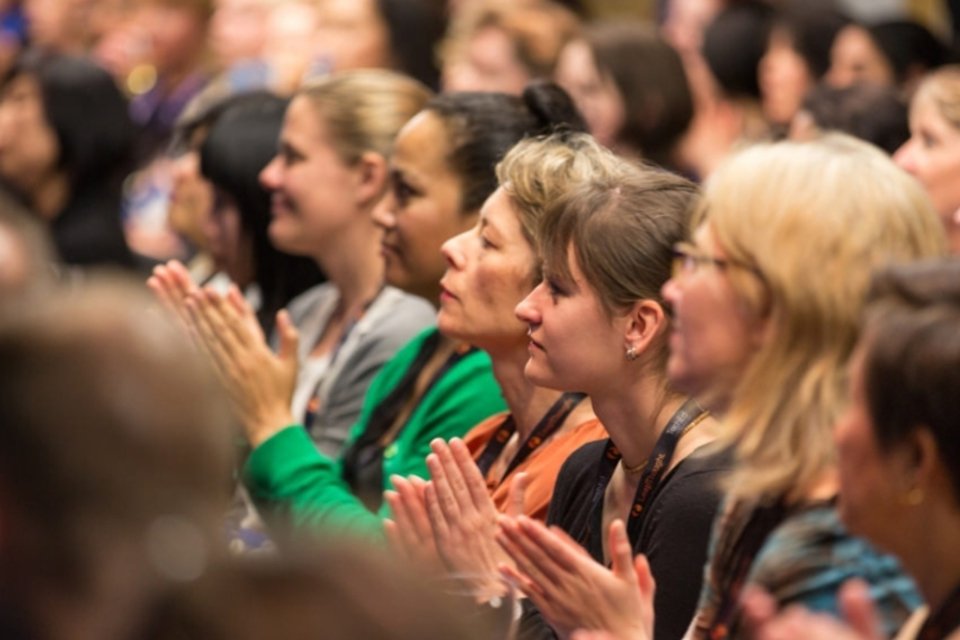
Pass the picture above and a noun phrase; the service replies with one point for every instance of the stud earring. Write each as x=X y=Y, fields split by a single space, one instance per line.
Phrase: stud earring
x=631 y=353
x=913 y=497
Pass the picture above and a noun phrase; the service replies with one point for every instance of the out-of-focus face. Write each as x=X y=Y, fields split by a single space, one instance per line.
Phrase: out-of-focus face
x=175 y=35
x=489 y=271
x=191 y=197
x=230 y=246
x=351 y=34
x=932 y=154
x=28 y=144
x=238 y=30
x=56 y=24
x=871 y=502
x=573 y=345
x=784 y=78
x=713 y=336
x=595 y=94
x=488 y=63
x=311 y=185
x=686 y=21
x=422 y=208
x=856 y=59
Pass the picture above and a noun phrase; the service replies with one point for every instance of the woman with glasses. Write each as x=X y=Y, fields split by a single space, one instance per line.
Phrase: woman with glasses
x=766 y=304
x=598 y=324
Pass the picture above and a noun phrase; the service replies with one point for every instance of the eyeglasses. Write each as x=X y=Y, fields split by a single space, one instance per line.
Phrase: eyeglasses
x=687 y=259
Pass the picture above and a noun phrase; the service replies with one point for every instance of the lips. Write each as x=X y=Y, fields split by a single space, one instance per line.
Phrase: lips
x=445 y=292
x=533 y=343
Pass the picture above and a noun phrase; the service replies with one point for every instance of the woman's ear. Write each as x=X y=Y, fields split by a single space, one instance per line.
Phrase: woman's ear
x=371 y=178
x=645 y=321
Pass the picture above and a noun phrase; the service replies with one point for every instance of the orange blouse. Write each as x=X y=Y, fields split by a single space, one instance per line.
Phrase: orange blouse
x=542 y=466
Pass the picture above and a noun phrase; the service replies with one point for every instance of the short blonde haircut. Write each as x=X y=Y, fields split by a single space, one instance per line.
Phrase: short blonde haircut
x=943 y=86
x=815 y=219
x=365 y=109
x=538 y=171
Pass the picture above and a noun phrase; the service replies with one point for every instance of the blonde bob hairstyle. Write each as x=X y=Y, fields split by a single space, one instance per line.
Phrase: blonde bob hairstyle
x=538 y=171
x=364 y=110
x=815 y=219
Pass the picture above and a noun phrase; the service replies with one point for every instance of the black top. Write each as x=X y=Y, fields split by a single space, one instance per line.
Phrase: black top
x=674 y=534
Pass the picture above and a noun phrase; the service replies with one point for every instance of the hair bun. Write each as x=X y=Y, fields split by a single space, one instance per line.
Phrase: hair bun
x=552 y=108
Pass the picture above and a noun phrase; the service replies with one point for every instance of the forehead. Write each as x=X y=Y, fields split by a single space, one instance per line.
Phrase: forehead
x=421 y=146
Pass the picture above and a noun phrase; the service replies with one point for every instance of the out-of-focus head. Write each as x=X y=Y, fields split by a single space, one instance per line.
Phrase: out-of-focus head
x=606 y=247
x=61 y=113
x=57 y=25
x=176 y=33
x=389 y=34
x=500 y=45
x=494 y=265
x=239 y=144
x=898 y=450
x=336 y=136
x=797 y=57
x=133 y=437
x=872 y=113
x=733 y=45
x=753 y=316
x=684 y=22
x=442 y=171
x=932 y=154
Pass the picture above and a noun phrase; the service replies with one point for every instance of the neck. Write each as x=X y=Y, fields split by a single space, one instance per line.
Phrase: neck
x=51 y=196
x=526 y=401
x=931 y=558
x=635 y=414
x=353 y=265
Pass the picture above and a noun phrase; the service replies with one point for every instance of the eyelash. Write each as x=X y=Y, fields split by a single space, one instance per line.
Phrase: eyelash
x=402 y=192
x=556 y=291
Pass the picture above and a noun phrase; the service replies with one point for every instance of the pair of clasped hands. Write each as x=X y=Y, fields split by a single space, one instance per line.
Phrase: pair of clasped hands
x=450 y=523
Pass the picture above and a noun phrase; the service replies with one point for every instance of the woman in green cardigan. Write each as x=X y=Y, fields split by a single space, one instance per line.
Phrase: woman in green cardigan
x=441 y=172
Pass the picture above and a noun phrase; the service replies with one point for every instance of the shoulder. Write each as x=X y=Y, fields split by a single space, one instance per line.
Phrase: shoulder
x=310 y=300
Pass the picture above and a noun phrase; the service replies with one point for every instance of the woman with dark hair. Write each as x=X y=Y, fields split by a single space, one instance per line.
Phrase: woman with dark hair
x=239 y=144
x=631 y=87
x=441 y=171
x=389 y=34
x=796 y=58
x=65 y=148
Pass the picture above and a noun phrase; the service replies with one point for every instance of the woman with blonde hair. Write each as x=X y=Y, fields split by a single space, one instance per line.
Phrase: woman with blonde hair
x=763 y=343
x=932 y=154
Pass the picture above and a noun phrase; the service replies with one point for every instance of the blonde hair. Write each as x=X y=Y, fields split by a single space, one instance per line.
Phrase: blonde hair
x=365 y=109
x=943 y=86
x=835 y=206
x=538 y=171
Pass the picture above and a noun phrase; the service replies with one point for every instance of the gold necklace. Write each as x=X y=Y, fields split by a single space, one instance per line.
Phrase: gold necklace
x=632 y=471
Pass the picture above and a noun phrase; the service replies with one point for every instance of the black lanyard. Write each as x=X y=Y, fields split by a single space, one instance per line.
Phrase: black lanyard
x=762 y=521
x=655 y=469
x=545 y=428
x=940 y=623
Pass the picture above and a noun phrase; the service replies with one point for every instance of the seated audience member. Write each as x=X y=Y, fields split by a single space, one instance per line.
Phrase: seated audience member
x=932 y=154
x=389 y=34
x=898 y=455
x=330 y=173
x=442 y=170
x=751 y=320
x=65 y=145
x=109 y=491
x=631 y=87
x=501 y=45
x=727 y=110
x=598 y=323
x=872 y=113
x=511 y=461
x=894 y=54
x=797 y=57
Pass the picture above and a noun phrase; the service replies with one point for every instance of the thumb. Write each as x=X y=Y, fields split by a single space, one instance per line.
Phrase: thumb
x=621 y=554
x=518 y=491
x=858 y=609
x=289 y=336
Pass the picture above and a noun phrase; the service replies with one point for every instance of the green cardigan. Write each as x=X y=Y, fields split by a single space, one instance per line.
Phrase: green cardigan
x=287 y=476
